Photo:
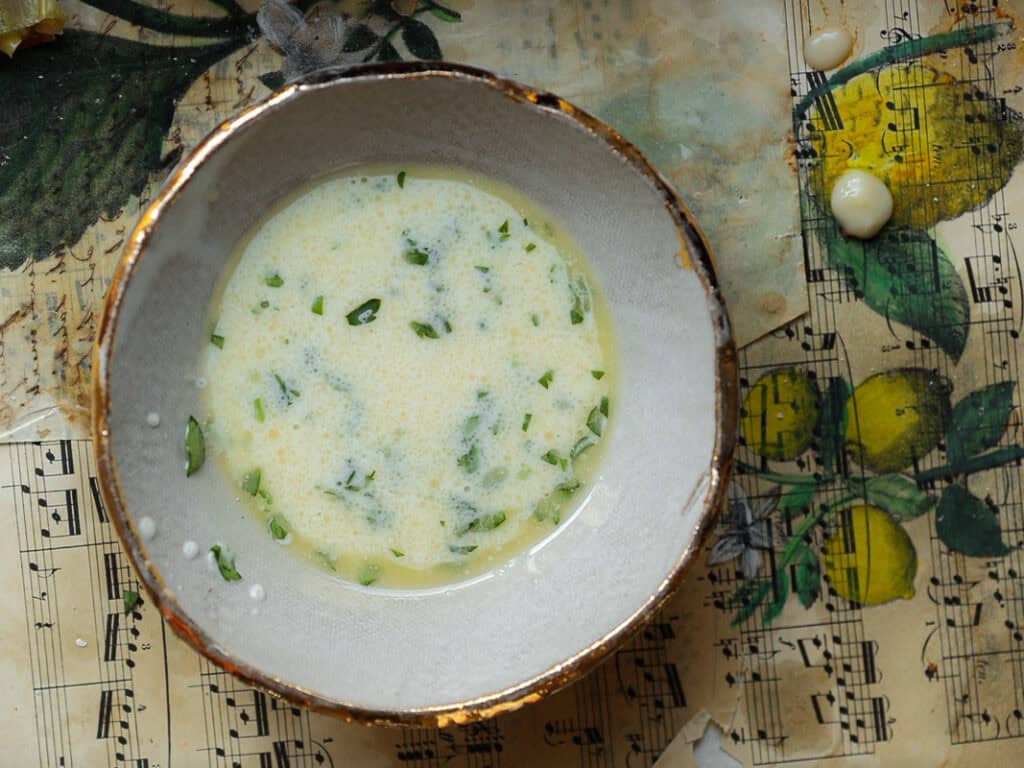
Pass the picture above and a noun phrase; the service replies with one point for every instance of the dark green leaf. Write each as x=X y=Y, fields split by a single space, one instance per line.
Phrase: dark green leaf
x=555 y=458
x=596 y=421
x=397 y=552
x=318 y=305
x=445 y=14
x=575 y=315
x=401 y=179
x=369 y=574
x=582 y=444
x=274 y=281
x=797 y=500
x=978 y=421
x=896 y=494
x=604 y=406
x=131 y=599
x=530 y=247
x=416 y=257
x=225 y=565
x=482 y=523
x=597 y=374
x=546 y=379
x=359 y=38
x=387 y=52
x=257 y=406
x=470 y=460
x=251 y=482
x=808 y=576
x=747 y=599
x=424 y=330
x=195 y=447
x=778 y=597
x=966 y=524
x=568 y=487
x=906 y=277
x=420 y=40
x=461 y=549
x=277 y=528
x=273 y=80
x=364 y=313
x=833 y=422
x=479 y=268
x=217 y=340
x=526 y=421
x=535 y=319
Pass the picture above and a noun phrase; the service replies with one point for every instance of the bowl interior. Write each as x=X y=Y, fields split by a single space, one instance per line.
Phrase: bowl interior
x=547 y=613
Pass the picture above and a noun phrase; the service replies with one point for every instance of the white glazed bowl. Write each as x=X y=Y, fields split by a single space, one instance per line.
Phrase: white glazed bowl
x=495 y=643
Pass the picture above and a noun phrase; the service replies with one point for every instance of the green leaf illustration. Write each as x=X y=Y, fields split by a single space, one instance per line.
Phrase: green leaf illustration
x=797 y=501
x=445 y=14
x=906 y=277
x=978 y=421
x=420 y=40
x=966 y=524
x=388 y=52
x=359 y=38
x=83 y=129
x=833 y=423
x=896 y=494
x=807 y=576
x=779 y=594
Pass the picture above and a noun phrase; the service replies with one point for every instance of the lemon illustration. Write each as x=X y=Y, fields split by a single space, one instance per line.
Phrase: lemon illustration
x=780 y=413
x=896 y=416
x=869 y=559
x=916 y=128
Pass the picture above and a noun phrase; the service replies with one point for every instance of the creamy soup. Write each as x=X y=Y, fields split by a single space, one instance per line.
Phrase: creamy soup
x=408 y=375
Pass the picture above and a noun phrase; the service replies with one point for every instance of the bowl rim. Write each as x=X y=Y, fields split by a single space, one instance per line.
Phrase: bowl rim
x=695 y=254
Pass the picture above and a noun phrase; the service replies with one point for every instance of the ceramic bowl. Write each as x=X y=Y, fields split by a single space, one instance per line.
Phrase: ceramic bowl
x=550 y=614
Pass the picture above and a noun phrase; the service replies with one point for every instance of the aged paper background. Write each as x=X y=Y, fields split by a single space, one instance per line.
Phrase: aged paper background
x=707 y=92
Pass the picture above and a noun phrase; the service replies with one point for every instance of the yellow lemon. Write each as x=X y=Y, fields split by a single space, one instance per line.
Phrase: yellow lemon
x=869 y=559
x=917 y=129
x=780 y=413
x=895 y=417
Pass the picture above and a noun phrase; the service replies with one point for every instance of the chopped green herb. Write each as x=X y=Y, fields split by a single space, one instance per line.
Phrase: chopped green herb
x=461 y=549
x=555 y=458
x=318 y=305
x=470 y=426
x=251 y=481
x=397 y=552
x=582 y=444
x=225 y=565
x=597 y=374
x=352 y=484
x=263 y=494
x=447 y=327
x=364 y=313
x=264 y=304
x=494 y=477
x=417 y=257
x=131 y=599
x=596 y=421
x=546 y=379
x=470 y=460
x=604 y=406
x=526 y=421
x=424 y=330
x=401 y=179
x=274 y=281
x=531 y=247
x=525 y=222
x=289 y=393
x=535 y=319
x=370 y=574
x=257 y=406
x=503 y=231
x=446 y=14
x=483 y=523
x=217 y=340
x=483 y=269
x=327 y=560
x=569 y=487
x=277 y=529
x=195 y=447
x=481 y=394
x=576 y=313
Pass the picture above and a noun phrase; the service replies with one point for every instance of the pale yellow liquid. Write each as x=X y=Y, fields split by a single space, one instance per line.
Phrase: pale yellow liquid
x=388 y=455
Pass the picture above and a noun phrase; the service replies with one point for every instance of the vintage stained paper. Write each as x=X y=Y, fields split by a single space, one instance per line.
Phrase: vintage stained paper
x=928 y=524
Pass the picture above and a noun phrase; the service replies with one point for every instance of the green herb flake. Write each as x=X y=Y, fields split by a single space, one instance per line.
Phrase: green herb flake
x=480 y=268
x=251 y=481
x=401 y=179
x=470 y=460
x=318 y=305
x=569 y=487
x=364 y=313
x=470 y=425
x=195 y=447
x=416 y=257
x=531 y=247
x=424 y=330
x=225 y=564
x=597 y=374
x=582 y=444
x=274 y=281
x=445 y=14
x=369 y=575
x=535 y=319
x=526 y=421
x=397 y=552
x=554 y=458
x=484 y=523
x=326 y=560
x=575 y=314
x=277 y=529
x=503 y=231
x=461 y=549
x=217 y=340
x=604 y=406
x=289 y=393
x=131 y=599
x=257 y=406
x=546 y=379
x=596 y=421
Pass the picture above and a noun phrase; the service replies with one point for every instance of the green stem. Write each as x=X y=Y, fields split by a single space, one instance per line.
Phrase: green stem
x=809 y=522
x=911 y=49
x=776 y=477
x=989 y=460
x=233 y=26
x=391 y=32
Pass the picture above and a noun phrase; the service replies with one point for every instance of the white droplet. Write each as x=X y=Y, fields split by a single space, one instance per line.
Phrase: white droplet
x=827 y=48
x=153 y=419
x=200 y=382
x=190 y=549
x=81 y=643
x=147 y=528
x=257 y=593
x=861 y=203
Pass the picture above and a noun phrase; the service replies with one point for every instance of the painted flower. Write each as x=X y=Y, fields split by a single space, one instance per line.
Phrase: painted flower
x=743 y=531
x=308 y=42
